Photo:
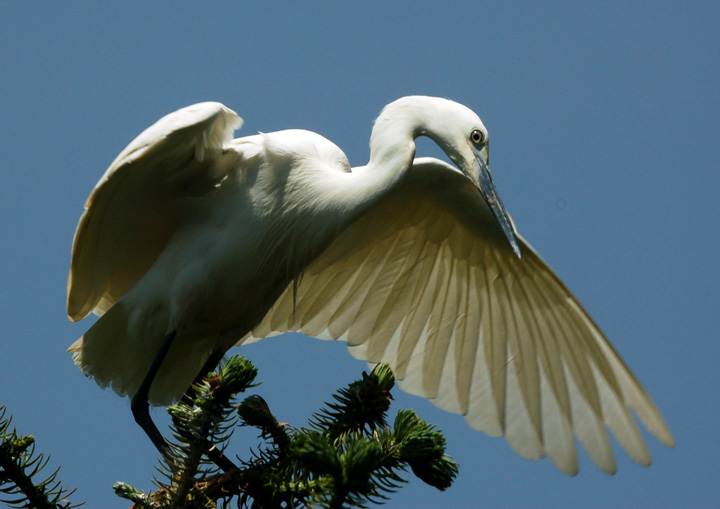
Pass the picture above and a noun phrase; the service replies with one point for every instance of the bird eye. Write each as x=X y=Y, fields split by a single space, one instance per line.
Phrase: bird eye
x=477 y=137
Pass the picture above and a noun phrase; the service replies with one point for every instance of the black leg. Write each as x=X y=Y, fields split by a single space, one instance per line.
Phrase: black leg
x=210 y=364
x=139 y=405
x=215 y=455
x=141 y=408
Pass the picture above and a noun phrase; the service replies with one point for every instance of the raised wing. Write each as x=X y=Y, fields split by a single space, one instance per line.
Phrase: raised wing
x=426 y=283
x=142 y=199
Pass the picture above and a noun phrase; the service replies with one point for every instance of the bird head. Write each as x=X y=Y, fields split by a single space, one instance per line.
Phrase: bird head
x=462 y=136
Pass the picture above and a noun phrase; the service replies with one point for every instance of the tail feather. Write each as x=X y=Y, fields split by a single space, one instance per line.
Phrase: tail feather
x=117 y=359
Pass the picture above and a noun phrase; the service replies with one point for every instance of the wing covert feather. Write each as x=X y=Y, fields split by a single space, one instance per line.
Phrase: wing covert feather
x=140 y=201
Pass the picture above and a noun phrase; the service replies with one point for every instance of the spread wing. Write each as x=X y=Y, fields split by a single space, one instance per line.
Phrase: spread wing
x=141 y=200
x=427 y=283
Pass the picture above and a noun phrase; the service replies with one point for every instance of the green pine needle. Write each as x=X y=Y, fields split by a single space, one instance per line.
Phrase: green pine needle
x=348 y=457
x=19 y=468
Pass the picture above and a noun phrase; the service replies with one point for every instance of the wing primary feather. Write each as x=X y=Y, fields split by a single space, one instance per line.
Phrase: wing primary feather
x=523 y=359
x=620 y=421
x=586 y=412
x=555 y=405
x=547 y=342
x=467 y=336
x=615 y=386
x=486 y=411
x=382 y=272
x=409 y=332
x=439 y=334
x=396 y=300
x=495 y=334
x=558 y=438
x=393 y=325
x=519 y=430
x=590 y=430
x=324 y=293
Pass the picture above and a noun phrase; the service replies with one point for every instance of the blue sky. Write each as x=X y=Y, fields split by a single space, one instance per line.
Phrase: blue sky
x=604 y=120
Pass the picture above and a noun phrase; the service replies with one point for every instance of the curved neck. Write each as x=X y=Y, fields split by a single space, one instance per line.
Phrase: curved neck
x=392 y=142
x=392 y=149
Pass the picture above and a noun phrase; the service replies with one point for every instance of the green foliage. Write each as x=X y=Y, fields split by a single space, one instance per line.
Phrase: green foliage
x=348 y=456
x=19 y=468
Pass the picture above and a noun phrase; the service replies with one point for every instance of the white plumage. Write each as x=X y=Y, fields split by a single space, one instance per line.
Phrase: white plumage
x=413 y=262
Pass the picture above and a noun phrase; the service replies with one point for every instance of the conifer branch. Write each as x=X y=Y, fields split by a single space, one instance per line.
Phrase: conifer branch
x=348 y=456
x=19 y=468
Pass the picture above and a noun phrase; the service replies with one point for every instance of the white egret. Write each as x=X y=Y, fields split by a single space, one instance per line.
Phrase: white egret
x=193 y=242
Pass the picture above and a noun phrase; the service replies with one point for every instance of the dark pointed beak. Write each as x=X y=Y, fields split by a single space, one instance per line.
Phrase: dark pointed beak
x=489 y=193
